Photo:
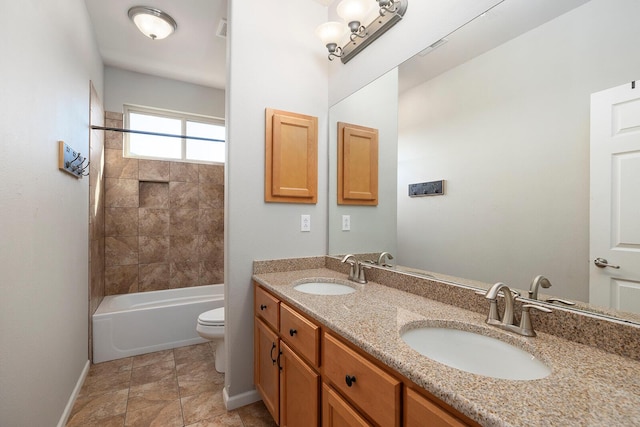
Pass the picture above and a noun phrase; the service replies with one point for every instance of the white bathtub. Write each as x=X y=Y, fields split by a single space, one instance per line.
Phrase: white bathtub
x=144 y=322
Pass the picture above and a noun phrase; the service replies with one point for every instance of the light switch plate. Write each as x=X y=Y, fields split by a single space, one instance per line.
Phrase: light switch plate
x=305 y=222
x=346 y=222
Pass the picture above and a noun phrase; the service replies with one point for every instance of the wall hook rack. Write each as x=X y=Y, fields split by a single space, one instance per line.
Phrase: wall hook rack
x=71 y=161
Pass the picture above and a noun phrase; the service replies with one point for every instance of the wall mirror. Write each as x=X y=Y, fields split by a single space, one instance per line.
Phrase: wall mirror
x=500 y=110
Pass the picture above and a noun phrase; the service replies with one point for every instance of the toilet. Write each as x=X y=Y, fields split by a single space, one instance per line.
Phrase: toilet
x=211 y=327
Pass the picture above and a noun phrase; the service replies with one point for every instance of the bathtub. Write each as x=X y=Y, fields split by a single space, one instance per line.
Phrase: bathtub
x=144 y=322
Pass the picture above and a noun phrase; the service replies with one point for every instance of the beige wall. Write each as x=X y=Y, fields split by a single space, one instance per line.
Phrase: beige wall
x=164 y=221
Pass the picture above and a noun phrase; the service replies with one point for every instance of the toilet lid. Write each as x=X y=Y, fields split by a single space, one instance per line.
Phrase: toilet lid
x=213 y=317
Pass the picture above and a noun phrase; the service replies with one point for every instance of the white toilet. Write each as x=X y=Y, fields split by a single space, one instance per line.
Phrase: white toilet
x=211 y=327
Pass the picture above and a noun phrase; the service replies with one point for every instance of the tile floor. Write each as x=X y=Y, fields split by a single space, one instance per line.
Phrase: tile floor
x=170 y=388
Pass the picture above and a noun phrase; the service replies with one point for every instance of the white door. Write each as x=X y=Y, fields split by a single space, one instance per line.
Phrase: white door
x=615 y=198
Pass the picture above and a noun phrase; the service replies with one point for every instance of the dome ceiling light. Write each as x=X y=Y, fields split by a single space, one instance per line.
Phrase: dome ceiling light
x=152 y=22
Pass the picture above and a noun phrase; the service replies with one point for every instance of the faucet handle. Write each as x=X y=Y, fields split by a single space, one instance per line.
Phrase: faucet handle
x=537 y=307
x=362 y=278
x=526 y=328
x=561 y=301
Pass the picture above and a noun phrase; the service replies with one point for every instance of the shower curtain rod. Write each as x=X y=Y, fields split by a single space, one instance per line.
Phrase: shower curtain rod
x=169 y=135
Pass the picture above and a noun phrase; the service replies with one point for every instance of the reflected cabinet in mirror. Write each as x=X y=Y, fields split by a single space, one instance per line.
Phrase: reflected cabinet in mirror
x=502 y=109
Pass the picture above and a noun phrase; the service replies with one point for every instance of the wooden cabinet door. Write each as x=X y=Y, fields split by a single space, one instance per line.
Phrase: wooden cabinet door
x=357 y=165
x=266 y=372
x=291 y=157
x=299 y=389
x=338 y=413
x=420 y=411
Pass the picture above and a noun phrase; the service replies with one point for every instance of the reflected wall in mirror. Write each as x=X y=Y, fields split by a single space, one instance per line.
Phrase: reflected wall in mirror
x=374 y=106
x=508 y=128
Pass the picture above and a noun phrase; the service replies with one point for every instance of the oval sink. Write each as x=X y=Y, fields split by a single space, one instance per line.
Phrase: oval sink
x=475 y=353
x=324 y=288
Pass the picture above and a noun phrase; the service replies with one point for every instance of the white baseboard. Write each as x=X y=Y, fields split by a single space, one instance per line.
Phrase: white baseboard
x=242 y=399
x=74 y=395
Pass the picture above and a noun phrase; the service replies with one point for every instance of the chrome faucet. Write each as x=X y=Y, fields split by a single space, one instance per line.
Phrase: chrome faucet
x=545 y=283
x=382 y=261
x=357 y=270
x=507 y=322
x=494 y=317
x=536 y=283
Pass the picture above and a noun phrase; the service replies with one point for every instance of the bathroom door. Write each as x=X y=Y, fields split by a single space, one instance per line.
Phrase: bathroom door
x=615 y=198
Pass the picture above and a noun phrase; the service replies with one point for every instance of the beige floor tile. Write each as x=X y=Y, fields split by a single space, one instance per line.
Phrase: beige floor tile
x=117 y=421
x=166 y=414
x=92 y=410
x=198 y=377
x=256 y=415
x=229 y=419
x=105 y=382
x=163 y=356
x=193 y=352
x=152 y=373
x=141 y=396
x=203 y=367
x=202 y=406
x=112 y=367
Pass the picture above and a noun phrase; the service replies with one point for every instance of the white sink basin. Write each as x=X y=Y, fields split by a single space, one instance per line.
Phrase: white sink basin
x=475 y=353
x=324 y=288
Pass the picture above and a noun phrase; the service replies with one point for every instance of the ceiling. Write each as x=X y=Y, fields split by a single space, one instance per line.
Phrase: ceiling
x=194 y=53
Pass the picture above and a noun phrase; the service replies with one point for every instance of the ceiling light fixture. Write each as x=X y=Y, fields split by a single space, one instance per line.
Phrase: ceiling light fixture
x=353 y=12
x=151 y=22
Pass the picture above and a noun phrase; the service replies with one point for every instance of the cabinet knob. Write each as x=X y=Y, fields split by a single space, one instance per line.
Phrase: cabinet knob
x=262 y=306
x=292 y=332
x=350 y=379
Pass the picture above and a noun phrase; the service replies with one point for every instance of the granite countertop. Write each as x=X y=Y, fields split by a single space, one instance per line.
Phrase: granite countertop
x=587 y=386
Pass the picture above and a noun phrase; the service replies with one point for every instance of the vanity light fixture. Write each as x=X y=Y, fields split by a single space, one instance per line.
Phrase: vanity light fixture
x=152 y=22
x=353 y=12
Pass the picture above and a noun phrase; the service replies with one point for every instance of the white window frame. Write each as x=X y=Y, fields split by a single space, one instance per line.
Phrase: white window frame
x=183 y=117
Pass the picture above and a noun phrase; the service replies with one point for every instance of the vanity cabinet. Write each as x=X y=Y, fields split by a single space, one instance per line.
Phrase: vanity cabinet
x=288 y=384
x=303 y=370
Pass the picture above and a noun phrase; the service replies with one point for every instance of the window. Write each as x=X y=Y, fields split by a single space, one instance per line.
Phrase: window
x=155 y=121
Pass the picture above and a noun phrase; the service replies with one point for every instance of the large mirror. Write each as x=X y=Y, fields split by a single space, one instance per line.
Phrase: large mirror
x=500 y=110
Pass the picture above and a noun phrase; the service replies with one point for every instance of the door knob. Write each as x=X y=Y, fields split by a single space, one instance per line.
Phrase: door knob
x=602 y=263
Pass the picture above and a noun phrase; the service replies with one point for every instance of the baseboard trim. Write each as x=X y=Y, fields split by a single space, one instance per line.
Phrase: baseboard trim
x=239 y=400
x=74 y=395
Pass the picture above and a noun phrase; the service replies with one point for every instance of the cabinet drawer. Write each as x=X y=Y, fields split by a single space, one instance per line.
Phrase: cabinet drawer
x=300 y=333
x=266 y=306
x=375 y=392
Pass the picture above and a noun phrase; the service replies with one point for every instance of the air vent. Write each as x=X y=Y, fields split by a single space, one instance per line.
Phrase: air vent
x=222 y=29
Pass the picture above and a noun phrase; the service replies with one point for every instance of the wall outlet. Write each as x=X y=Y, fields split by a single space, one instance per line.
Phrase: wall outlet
x=346 y=222
x=305 y=222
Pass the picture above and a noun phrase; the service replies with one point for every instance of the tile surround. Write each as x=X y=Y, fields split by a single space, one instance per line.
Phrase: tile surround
x=164 y=221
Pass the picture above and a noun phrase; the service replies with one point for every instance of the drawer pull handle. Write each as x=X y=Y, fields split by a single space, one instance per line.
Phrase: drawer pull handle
x=262 y=306
x=273 y=347
x=349 y=379
x=292 y=332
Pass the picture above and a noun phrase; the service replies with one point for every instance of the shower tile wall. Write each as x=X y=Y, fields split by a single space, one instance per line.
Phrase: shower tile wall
x=163 y=222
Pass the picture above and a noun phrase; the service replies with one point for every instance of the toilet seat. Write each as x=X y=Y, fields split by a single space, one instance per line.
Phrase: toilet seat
x=213 y=317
